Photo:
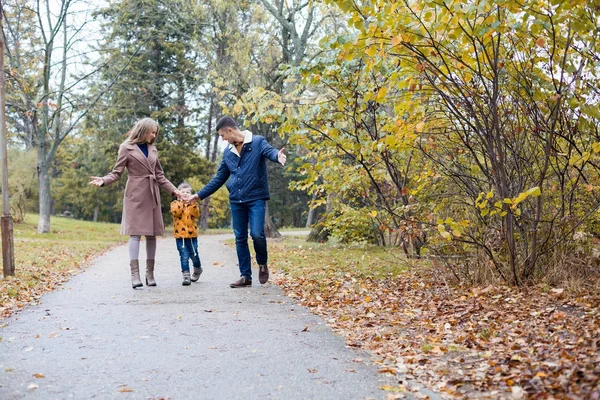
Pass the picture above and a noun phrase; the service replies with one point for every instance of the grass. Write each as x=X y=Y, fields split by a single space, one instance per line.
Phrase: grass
x=295 y=256
x=43 y=261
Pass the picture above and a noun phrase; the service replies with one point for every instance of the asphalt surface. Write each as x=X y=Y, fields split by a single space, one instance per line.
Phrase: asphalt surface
x=97 y=338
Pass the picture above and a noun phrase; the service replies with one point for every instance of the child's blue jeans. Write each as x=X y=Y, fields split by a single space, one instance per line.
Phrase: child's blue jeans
x=188 y=249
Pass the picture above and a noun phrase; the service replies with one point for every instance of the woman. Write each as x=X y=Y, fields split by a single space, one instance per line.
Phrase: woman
x=142 y=214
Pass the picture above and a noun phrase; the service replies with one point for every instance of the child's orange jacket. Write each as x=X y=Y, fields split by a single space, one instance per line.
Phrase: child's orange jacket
x=184 y=219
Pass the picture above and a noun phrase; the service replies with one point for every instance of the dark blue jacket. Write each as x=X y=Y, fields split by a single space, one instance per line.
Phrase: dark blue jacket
x=246 y=176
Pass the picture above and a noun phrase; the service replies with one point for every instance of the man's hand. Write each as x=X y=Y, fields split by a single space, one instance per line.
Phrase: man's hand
x=281 y=157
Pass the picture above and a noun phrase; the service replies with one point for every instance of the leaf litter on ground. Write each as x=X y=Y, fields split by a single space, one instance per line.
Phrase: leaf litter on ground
x=494 y=342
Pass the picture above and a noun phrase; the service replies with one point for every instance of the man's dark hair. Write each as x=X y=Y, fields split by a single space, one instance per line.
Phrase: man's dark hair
x=226 y=122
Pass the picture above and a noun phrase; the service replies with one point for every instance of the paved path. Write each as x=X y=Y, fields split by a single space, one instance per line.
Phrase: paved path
x=97 y=338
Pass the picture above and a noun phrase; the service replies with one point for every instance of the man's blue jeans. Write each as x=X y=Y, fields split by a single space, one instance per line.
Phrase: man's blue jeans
x=188 y=248
x=243 y=214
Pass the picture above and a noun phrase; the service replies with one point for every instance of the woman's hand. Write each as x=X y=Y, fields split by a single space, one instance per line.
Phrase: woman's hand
x=96 y=181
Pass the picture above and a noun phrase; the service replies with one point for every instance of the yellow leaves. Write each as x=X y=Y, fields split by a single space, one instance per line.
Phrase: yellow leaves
x=237 y=109
x=444 y=233
x=396 y=40
x=347 y=55
x=580 y=158
x=381 y=94
x=373 y=214
x=499 y=206
x=371 y=51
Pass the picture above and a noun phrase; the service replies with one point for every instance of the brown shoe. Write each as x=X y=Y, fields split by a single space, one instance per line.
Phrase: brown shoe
x=150 y=273
x=263 y=273
x=243 y=281
x=135 y=273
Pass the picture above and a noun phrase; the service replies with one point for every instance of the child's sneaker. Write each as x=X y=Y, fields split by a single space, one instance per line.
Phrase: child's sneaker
x=196 y=274
x=186 y=279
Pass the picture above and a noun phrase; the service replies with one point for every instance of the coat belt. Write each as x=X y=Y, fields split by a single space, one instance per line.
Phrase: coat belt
x=153 y=187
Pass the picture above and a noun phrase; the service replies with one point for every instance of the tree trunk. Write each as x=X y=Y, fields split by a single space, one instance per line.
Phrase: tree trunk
x=209 y=134
x=44 y=194
x=96 y=212
x=270 y=228
x=205 y=214
x=311 y=213
x=319 y=233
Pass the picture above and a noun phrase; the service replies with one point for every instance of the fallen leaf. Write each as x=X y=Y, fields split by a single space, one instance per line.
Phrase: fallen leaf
x=389 y=388
x=388 y=370
x=39 y=375
x=125 y=390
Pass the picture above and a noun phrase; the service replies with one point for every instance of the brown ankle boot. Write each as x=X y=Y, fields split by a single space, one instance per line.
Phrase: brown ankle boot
x=135 y=273
x=150 y=273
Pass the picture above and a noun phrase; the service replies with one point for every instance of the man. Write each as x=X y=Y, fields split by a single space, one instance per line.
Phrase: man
x=244 y=169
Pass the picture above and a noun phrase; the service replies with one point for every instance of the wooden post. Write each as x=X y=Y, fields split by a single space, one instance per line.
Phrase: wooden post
x=6 y=228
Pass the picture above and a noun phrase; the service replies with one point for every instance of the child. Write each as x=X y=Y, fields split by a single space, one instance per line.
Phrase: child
x=186 y=234
x=141 y=201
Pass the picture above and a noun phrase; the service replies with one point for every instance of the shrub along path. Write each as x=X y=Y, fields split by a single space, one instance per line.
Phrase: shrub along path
x=98 y=338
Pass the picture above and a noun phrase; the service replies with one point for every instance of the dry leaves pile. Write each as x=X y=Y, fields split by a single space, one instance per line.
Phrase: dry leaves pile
x=32 y=280
x=493 y=342
x=44 y=262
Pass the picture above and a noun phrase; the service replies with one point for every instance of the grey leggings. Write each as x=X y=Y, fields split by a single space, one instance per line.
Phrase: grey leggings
x=134 y=247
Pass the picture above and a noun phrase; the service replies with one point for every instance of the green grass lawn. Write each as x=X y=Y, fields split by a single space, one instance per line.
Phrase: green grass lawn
x=43 y=261
x=295 y=256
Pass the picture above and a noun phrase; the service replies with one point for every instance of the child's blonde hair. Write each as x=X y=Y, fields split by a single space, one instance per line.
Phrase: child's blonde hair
x=140 y=131
x=185 y=185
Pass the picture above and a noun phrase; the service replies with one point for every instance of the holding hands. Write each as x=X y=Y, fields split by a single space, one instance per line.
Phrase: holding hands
x=192 y=198
x=186 y=196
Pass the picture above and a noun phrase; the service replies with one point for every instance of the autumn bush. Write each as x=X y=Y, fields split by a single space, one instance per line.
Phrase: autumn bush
x=469 y=130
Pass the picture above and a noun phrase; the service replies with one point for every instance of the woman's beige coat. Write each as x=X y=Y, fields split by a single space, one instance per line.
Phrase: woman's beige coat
x=142 y=214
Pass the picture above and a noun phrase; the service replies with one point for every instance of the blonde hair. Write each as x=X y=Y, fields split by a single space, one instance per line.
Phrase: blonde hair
x=185 y=185
x=140 y=131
